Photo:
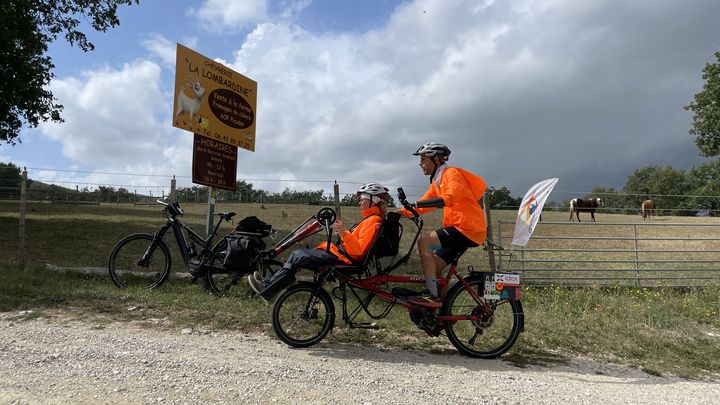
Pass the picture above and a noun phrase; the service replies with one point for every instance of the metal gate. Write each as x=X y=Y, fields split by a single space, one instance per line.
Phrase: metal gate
x=612 y=253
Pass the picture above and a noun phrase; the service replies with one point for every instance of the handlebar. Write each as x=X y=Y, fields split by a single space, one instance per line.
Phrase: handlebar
x=408 y=206
x=173 y=208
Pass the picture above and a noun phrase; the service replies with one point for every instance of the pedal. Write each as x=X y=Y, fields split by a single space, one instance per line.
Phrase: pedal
x=364 y=325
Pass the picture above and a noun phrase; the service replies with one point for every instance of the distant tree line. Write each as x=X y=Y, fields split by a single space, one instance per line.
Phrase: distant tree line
x=245 y=192
x=675 y=192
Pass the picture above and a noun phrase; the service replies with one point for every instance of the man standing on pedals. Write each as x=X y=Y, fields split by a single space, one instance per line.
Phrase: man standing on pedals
x=353 y=247
x=458 y=192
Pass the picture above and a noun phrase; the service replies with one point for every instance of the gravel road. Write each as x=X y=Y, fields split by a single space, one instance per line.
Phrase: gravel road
x=51 y=360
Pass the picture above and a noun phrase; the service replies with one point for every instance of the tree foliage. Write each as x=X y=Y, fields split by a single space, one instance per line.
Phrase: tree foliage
x=706 y=111
x=27 y=27
x=666 y=186
x=501 y=199
x=9 y=180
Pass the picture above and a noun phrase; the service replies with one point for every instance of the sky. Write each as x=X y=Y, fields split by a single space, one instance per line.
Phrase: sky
x=519 y=90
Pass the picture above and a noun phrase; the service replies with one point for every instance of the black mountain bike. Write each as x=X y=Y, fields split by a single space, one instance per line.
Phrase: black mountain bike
x=144 y=260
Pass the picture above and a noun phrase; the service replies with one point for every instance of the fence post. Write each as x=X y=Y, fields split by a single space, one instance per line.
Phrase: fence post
x=336 y=190
x=173 y=190
x=21 y=226
x=499 y=239
x=488 y=222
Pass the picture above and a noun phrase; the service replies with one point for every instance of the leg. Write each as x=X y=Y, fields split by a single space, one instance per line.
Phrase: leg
x=430 y=263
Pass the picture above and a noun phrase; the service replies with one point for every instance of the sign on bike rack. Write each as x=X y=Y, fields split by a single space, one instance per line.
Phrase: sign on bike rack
x=505 y=286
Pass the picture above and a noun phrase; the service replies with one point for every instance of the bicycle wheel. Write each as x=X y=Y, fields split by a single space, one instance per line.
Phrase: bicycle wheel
x=137 y=261
x=493 y=333
x=303 y=315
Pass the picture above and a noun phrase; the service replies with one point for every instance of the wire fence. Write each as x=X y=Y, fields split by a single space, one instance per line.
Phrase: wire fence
x=78 y=191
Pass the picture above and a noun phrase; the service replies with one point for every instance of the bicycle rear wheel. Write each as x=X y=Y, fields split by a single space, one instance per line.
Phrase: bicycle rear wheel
x=303 y=315
x=138 y=261
x=492 y=332
x=222 y=281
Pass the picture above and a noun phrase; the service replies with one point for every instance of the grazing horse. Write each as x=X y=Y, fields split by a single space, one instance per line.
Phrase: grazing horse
x=647 y=209
x=578 y=205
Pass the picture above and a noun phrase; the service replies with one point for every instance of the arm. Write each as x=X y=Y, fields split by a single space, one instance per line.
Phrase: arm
x=429 y=194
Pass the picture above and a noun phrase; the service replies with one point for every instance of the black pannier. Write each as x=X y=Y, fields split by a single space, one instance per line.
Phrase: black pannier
x=245 y=244
x=254 y=225
x=388 y=243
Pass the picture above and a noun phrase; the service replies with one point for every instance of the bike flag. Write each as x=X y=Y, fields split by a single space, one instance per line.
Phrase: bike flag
x=530 y=209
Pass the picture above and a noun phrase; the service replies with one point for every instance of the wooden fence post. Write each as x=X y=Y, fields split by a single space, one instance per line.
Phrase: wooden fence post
x=336 y=190
x=489 y=235
x=21 y=226
x=173 y=190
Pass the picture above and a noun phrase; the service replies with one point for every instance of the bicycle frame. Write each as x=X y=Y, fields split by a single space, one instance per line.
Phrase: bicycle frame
x=372 y=284
x=178 y=228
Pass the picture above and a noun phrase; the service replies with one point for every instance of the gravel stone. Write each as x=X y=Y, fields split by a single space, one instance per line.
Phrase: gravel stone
x=50 y=360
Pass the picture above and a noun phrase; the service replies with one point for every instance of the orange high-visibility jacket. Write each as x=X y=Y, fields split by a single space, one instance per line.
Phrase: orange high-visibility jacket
x=461 y=191
x=357 y=243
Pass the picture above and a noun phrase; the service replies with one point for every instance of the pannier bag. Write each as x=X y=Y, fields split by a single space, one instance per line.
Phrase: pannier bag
x=245 y=244
x=254 y=225
x=242 y=251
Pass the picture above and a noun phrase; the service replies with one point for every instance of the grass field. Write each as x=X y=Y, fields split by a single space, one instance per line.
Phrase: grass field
x=660 y=330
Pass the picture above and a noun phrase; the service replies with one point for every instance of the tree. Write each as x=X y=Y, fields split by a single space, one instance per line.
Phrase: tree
x=706 y=111
x=664 y=185
x=705 y=185
x=501 y=199
x=9 y=180
x=612 y=201
x=26 y=29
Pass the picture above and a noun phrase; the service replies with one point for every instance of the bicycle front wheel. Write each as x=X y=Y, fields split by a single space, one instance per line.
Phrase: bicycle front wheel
x=139 y=261
x=303 y=315
x=487 y=331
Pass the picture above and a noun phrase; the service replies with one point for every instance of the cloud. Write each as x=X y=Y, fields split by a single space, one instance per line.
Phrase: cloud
x=162 y=48
x=229 y=15
x=118 y=120
x=519 y=90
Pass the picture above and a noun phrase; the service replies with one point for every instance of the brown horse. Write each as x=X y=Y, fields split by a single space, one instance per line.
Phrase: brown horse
x=647 y=209
x=578 y=205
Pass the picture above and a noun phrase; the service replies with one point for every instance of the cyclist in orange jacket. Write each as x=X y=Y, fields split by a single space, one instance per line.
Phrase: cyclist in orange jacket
x=353 y=247
x=458 y=192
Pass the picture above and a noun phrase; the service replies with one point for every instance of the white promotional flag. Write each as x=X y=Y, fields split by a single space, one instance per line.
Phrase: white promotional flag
x=529 y=211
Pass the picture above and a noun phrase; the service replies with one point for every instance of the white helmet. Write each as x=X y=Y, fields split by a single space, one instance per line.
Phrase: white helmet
x=376 y=191
x=433 y=149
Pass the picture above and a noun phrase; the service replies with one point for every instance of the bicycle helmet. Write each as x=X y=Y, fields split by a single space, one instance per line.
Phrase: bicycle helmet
x=376 y=191
x=433 y=149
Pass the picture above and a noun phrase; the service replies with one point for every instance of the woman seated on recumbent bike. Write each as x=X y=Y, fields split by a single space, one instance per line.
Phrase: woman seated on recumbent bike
x=354 y=243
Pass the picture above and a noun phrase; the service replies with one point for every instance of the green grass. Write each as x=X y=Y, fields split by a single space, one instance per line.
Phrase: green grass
x=658 y=330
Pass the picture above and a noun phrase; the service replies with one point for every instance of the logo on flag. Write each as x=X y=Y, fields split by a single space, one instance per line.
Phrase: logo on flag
x=530 y=209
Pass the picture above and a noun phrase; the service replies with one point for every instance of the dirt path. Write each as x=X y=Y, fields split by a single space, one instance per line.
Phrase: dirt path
x=51 y=361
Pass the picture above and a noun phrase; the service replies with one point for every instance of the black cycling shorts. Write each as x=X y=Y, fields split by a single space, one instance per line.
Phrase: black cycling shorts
x=452 y=244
